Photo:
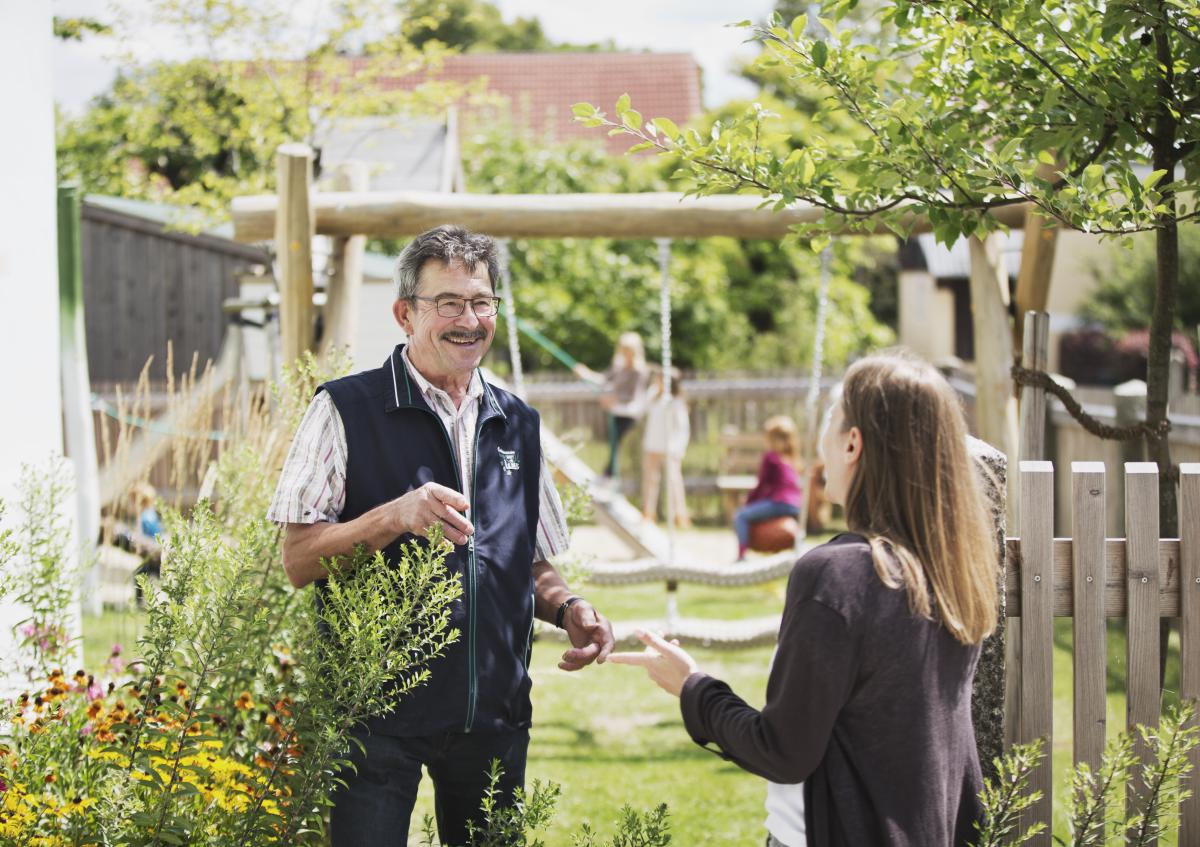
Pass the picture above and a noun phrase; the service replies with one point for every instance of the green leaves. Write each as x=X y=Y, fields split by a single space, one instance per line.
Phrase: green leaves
x=820 y=54
x=952 y=112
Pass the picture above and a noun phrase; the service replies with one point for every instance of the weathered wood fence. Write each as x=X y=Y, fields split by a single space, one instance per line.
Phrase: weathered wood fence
x=1090 y=578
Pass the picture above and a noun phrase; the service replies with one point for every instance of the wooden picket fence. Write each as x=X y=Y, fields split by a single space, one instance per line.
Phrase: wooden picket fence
x=1090 y=578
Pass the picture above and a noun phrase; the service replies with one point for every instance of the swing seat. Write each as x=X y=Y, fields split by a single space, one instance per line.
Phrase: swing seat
x=774 y=535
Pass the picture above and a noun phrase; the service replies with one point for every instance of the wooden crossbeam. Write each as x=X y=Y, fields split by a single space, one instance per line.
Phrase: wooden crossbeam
x=646 y=215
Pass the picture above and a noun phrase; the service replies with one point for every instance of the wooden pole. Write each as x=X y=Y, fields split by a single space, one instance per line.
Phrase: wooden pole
x=1032 y=448
x=1036 y=355
x=996 y=406
x=1037 y=264
x=647 y=215
x=293 y=249
x=345 y=283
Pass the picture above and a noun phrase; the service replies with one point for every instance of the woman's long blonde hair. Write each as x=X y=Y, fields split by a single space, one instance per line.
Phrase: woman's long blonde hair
x=916 y=494
x=631 y=343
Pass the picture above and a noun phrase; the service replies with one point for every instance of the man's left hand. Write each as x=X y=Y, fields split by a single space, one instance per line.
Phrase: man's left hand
x=591 y=636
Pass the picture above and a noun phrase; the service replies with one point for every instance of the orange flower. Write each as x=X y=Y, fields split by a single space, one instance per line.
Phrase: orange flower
x=244 y=702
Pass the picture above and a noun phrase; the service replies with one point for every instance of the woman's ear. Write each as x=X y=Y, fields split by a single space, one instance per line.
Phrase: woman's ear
x=854 y=446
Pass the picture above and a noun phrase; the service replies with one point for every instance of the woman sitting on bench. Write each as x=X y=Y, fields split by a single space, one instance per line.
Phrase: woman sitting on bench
x=777 y=493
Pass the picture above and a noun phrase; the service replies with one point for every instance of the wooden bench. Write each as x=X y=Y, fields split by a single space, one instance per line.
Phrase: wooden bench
x=737 y=474
x=737 y=468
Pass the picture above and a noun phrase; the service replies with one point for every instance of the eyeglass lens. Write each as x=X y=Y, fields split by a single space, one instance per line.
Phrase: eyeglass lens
x=452 y=307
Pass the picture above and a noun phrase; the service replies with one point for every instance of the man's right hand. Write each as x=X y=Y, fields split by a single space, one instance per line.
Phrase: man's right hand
x=422 y=507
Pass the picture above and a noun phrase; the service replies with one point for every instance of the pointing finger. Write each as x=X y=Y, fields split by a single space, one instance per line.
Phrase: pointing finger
x=639 y=659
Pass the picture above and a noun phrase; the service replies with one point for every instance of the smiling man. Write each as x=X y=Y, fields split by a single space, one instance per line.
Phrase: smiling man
x=380 y=457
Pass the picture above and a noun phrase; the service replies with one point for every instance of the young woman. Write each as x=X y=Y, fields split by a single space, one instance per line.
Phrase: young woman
x=624 y=395
x=868 y=703
x=777 y=492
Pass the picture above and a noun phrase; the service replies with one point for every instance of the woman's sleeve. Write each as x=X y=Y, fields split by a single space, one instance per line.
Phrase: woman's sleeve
x=810 y=681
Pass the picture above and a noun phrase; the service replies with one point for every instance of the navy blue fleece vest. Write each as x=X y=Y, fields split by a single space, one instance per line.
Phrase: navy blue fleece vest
x=396 y=443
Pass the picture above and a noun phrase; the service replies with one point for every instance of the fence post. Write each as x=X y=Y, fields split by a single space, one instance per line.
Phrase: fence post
x=1141 y=587
x=1037 y=631
x=1129 y=406
x=1035 y=356
x=294 y=226
x=1189 y=641
x=1032 y=446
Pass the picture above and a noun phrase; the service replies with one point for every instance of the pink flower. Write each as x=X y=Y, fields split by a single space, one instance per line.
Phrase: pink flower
x=116 y=650
x=85 y=730
x=94 y=691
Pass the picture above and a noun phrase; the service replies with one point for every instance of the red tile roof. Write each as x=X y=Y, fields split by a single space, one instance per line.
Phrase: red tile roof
x=542 y=87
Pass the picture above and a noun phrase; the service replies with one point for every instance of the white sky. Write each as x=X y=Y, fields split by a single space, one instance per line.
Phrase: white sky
x=83 y=70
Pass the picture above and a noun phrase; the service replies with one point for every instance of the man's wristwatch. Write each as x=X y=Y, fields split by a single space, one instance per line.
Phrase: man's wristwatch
x=562 y=610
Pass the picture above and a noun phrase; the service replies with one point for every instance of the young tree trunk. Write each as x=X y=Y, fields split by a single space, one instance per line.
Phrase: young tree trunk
x=1158 y=366
x=1158 y=359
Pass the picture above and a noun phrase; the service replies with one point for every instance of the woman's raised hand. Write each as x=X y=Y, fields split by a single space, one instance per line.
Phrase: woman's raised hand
x=666 y=662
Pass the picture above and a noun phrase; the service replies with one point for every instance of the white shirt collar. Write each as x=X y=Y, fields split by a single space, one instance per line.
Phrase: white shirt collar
x=431 y=392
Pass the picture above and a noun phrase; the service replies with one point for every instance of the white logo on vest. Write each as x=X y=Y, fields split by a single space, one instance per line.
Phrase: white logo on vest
x=509 y=460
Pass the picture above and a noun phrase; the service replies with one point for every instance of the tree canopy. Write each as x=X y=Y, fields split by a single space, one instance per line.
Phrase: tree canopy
x=1088 y=109
x=200 y=131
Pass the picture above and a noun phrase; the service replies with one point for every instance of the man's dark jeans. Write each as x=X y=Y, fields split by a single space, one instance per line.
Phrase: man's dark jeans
x=374 y=807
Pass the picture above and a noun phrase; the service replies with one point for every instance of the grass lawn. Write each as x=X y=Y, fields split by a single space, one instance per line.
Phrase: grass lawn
x=611 y=738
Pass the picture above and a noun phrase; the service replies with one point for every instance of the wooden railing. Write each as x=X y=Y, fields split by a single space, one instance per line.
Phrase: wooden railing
x=1142 y=578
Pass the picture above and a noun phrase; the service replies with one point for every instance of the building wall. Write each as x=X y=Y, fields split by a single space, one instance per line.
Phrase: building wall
x=1071 y=282
x=926 y=316
x=29 y=321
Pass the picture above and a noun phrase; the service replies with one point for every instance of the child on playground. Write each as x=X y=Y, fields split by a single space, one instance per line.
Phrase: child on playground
x=777 y=492
x=664 y=441
x=868 y=702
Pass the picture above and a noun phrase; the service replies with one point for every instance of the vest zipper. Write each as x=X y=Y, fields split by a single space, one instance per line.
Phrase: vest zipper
x=472 y=600
x=472 y=681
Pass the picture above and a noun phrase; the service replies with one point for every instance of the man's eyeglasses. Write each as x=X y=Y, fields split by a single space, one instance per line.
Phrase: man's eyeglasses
x=452 y=307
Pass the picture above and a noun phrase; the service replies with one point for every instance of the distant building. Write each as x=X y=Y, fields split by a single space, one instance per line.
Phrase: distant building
x=935 y=291
x=402 y=154
x=541 y=87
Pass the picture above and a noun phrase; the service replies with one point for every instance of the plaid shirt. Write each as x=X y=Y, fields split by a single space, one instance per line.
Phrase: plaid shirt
x=312 y=486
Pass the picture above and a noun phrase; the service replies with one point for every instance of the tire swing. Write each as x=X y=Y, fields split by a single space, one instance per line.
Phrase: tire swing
x=775 y=535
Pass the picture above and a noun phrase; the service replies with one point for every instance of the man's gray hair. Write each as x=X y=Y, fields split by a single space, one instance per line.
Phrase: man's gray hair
x=449 y=244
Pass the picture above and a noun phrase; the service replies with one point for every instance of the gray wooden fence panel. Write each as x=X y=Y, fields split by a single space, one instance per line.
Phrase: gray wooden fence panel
x=145 y=284
x=1189 y=653
x=1142 y=581
x=1037 y=632
x=1088 y=583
